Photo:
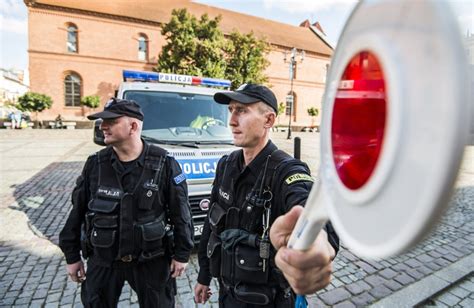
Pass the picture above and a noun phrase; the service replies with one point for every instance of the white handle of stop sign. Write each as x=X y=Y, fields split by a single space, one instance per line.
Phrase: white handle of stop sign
x=311 y=221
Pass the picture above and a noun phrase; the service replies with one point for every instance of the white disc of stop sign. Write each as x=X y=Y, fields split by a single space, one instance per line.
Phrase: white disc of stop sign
x=395 y=122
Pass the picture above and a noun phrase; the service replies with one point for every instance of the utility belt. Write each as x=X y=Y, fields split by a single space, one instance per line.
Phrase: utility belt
x=151 y=236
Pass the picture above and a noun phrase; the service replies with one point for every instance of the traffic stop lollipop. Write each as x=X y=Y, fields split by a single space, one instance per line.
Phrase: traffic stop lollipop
x=395 y=123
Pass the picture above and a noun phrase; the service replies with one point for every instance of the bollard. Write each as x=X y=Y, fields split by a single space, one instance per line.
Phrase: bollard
x=297 y=149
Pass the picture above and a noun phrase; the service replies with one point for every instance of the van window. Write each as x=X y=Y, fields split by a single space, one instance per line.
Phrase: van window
x=172 y=116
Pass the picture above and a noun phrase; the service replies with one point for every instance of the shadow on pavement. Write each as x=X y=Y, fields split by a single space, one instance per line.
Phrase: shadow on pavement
x=46 y=198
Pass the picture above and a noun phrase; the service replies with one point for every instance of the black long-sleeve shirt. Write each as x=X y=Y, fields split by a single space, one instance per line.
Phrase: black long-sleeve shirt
x=174 y=195
x=291 y=186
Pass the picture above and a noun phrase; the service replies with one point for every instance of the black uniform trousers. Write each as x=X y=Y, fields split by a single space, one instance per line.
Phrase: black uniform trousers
x=150 y=280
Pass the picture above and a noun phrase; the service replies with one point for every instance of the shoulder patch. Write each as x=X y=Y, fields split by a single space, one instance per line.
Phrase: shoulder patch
x=180 y=178
x=298 y=177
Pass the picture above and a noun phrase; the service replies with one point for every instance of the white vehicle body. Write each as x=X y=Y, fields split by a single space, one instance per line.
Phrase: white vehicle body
x=184 y=120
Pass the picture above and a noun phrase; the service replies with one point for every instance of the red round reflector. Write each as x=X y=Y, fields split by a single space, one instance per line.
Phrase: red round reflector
x=358 y=120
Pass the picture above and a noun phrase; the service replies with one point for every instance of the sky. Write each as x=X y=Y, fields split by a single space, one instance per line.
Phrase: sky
x=331 y=14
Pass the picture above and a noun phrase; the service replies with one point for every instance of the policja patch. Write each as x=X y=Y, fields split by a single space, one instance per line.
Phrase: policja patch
x=298 y=177
x=178 y=179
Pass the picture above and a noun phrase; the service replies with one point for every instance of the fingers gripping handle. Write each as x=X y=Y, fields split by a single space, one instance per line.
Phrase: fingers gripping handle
x=311 y=221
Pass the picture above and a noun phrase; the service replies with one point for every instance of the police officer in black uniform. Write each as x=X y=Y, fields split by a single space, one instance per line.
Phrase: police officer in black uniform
x=253 y=187
x=130 y=216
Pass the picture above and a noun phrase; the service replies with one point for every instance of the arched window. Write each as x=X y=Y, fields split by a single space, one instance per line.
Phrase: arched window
x=72 y=38
x=142 y=48
x=72 y=90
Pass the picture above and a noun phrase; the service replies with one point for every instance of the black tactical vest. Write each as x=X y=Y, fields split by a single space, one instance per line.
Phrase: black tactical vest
x=128 y=225
x=239 y=255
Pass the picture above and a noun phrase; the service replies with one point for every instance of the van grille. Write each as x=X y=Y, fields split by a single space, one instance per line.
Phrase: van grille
x=198 y=214
x=181 y=154
x=216 y=153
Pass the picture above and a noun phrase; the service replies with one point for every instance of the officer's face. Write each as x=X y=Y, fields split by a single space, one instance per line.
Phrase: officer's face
x=247 y=123
x=115 y=130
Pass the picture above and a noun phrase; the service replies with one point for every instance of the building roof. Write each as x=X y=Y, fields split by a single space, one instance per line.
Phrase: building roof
x=149 y=10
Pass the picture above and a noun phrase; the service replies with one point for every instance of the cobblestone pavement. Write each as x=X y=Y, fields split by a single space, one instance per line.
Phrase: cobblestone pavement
x=38 y=170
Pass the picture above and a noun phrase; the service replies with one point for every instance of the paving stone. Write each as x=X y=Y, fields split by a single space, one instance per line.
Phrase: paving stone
x=375 y=280
x=363 y=299
x=413 y=263
x=468 y=285
x=415 y=274
x=459 y=292
x=400 y=267
x=345 y=304
x=388 y=273
x=449 y=299
x=67 y=299
x=22 y=301
x=404 y=279
x=358 y=287
x=37 y=303
x=468 y=302
x=346 y=280
x=393 y=285
x=366 y=267
x=380 y=291
x=335 y=296
x=53 y=297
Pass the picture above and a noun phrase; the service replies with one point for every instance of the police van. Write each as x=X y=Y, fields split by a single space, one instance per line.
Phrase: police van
x=182 y=117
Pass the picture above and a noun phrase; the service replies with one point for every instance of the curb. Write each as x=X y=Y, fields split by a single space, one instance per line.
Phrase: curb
x=425 y=288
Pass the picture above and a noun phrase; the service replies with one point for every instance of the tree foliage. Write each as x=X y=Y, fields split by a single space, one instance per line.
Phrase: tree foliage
x=195 y=47
x=198 y=47
x=32 y=101
x=313 y=111
x=281 y=108
x=247 y=60
x=91 y=101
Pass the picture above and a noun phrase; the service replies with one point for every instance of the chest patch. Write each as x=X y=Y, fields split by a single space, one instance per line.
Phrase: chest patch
x=298 y=177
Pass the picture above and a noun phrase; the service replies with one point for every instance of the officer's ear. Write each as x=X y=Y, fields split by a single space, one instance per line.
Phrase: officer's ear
x=269 y=119
x=134 y=126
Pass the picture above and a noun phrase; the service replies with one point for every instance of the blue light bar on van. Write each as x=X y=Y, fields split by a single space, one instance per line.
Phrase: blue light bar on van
x=174 y=78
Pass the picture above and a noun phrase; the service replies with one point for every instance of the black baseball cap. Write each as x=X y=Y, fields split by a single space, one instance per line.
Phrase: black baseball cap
x=248 y=94
x=116 y=108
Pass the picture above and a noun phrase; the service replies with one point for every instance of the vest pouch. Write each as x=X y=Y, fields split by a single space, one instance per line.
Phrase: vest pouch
x=214 y=254
x=249 y=265
x=227 y=264
x=251 y=214
x=102 y=205
x=152 y=239
x=217 y=218
x=254 y=294
x=103 y=235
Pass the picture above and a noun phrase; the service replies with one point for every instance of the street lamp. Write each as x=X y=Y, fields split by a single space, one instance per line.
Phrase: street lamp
x=292 y=61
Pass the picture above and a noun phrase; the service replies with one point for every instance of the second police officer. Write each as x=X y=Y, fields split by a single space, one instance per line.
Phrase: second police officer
x=122 y=202
x=253 y=187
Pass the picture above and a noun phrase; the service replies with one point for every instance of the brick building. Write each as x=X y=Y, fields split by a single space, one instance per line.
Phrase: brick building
x=80 y=47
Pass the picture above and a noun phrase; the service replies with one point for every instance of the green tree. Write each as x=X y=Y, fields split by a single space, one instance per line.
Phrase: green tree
x=36 y=102
x=195 y=47
x=91 y=101
x=247 y=62
x=313 y=112
x=281 y=110
x=198 y=47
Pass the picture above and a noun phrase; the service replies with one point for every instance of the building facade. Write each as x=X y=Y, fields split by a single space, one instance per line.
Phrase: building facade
x=79 y=48
x=12 y=86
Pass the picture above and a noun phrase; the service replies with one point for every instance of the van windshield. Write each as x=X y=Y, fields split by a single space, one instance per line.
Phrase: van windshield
x=182 y=117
